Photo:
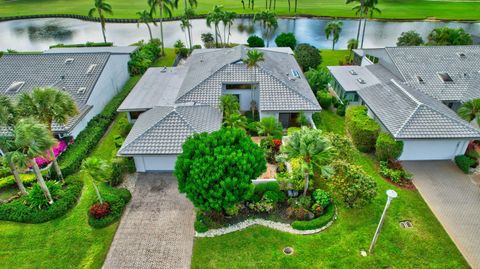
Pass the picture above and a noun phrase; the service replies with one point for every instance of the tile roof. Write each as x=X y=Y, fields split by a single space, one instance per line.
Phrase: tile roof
x=163 y=130
x=410 y=114
x=111 y=50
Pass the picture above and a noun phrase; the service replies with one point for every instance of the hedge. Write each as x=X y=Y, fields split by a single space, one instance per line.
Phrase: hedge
x=120 y=166
x=363 y=129
x=18 y=210
x=144 y=57
x=118 y=199
x=317 y=222
x=464 y=163
x=88 y=44
x=387 y=148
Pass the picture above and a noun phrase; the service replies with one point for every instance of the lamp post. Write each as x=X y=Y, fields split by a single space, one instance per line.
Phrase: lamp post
x=391 y=194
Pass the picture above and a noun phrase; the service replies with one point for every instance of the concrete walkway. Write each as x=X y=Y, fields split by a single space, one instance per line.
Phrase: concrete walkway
x=156 y=230
x=455 y=201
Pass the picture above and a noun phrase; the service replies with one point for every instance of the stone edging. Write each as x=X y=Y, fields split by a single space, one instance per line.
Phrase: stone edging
x=283 y=227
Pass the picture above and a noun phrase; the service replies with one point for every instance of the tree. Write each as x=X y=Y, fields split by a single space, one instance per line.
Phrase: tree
x=253 y=58
x=268 y=20
x=33 y=139
x=97 y=170
x=215 y=17
x=318 y=78
x=235 y=120
x=255 y=42
x=306 y=144
x=229 y=104
x=165 y=7
x=185 y=22
x=470 y=110
x=352 y=44
x=333 y=28
x=228 y=19
x=185 y=25
x=444 y=36
x=48 y=105
x=147 y=18
x=270 y=126
x=286 y=40
x=207 y=39
x=366 y=7
x=359 y=12
x=101 y=7
x=307 y=56
x=215 y=170
x=409 y=38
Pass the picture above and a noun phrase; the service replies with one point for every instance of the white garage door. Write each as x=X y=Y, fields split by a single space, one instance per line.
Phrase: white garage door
x=432 y=149
x=155 y=163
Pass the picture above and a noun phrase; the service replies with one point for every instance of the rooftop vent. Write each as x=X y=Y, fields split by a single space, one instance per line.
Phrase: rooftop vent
x=15 y=87
x=295 y=73
x=353 y=73
x=69 y=60
x=81 y=90
x=461 y=55
x=91 y=68
x=420 y=80
x=361 y=81
x=445 y=77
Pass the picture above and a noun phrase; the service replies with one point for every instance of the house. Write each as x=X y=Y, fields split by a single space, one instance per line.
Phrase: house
x=170 y=104
x=92 y=76
x=413 y=93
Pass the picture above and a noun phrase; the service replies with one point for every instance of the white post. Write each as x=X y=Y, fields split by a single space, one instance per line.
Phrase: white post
x=391 y=194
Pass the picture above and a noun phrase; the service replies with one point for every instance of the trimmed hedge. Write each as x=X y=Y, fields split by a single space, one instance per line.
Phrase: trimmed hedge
x=144 y=57
x=8 y=181
x=464 y=163
x=19 y=211
x=324 y=99
x=88 y=44
x=317 y=222
x=387 y=148
x=363 y=129
x=118 y=199
x=120 y=166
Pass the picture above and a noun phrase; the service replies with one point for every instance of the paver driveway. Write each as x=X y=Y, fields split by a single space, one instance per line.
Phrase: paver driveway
x=156 y=230
x=455 y=201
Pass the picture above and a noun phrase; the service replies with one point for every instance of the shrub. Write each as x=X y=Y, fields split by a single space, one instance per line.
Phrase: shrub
x=286 y=40
x=316 y=223
x=302 y=201
x=274 y=196
x=36 y=198
x=99 y=211
x=341 y=110
x=143 y=58
x=342 y=149
x=270 y=126
x=321 y=197
x=215 y=170
x=318 y=78
x=464 y=163
x=27 y=179
x=117 y=199
x=119 y=167
x=200 y=226
x=444 y=36
x=396 y=173
x=19 y=211
x=307 y=56
x=409 y=38
x=352 y=185
x=255 y=42
x=261 y=206
x=208 y=40
x=325 y=99
x=387 y=148
x=363 y=129
x=292 y=130
x=302 y=120
x=233 y=210
x=298 y=213
x=88 y=44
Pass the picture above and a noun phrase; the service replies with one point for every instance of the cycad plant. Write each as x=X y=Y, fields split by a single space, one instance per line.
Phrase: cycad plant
x=97 y=171
x=470 y=110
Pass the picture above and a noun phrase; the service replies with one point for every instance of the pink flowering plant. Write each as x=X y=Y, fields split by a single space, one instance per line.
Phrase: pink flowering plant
x=57 y=150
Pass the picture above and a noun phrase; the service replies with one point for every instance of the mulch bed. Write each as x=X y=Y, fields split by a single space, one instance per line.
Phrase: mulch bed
x=403 y=184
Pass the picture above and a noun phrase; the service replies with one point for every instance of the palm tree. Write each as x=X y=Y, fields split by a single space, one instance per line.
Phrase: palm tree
x=215 y=16
x=352 y=44
x=252 y=60
x=189 y=14
x=229 y=104
x=97 y=170
x=48 y=105
x=185 y=25
x=296 y=4
x=235 y=120
x=101 y=7
x=228 y=19
x=33 y=139
x=369 y=7
x=333 y=28
x=147 y=18
x=306 y=144
x=269 y=22
x=359 y=12
x=470 y=110
x=269 y=126
x=165 y=7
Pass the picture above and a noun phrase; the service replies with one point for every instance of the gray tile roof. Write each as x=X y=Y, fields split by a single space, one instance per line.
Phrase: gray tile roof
x=163 y=130
x=111 y=50
x=410 y=114
x=370 y=74
x=51 y=70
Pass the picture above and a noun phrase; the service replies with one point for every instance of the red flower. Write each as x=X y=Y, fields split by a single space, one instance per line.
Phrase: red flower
x=99 y=211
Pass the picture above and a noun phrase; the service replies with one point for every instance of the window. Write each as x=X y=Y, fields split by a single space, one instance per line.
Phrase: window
x=81 y=90
x=445 y=77
x=295 y=73
x=91 y=68
x=420 y=80
x=69 y=60
x=238 y=86
x=15 y=87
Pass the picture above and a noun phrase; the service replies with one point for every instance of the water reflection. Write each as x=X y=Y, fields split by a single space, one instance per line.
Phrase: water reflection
x=44 y=32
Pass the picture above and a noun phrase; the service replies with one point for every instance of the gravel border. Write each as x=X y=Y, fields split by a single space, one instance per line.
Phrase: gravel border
x=284 y=227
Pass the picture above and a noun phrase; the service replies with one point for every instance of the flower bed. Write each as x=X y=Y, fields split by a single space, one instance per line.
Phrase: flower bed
x=394 y=173
x=57 y=150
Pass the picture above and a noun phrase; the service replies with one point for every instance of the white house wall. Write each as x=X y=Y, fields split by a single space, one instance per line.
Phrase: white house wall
x=245 y=98
x=432 y=149
x=148 y=163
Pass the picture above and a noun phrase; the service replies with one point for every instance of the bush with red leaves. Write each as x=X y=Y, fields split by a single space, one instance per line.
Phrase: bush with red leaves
x=277 y=143
x=99 y=211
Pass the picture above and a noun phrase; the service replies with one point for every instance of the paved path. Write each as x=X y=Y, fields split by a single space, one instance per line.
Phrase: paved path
x=156 y=230
x=455 y=201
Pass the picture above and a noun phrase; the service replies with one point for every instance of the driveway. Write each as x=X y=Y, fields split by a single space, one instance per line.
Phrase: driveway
x=455 y=201
x=156 y=230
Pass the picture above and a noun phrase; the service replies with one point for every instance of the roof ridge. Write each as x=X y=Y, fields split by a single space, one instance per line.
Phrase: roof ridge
x=407 y=121
x=418 y=102
x=185 y=120
x=394 y=64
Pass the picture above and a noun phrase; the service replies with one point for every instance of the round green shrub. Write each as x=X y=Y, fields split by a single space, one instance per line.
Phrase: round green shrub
x=255 y=42
x=117 y=199
x=200 y=226
x=464 y=163
x=325 y=99
x=363 y=129
x=286 y=40
x=321 y=198
x=307 y=56
x=387 y=148
x=36 y=198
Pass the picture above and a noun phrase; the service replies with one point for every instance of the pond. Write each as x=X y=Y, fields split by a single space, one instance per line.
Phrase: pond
x=39 y=34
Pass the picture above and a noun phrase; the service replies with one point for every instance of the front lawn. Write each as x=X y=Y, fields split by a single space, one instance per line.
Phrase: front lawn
x=426 y=245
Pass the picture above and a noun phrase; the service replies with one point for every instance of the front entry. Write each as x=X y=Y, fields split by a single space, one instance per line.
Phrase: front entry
x=288 y=119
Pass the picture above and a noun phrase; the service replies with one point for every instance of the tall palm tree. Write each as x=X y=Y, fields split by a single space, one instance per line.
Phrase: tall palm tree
x=333 y=28
x=306 y=144
x=189 y=14
x=228 y=20
x=15 y=160
x=296 y=4
x=147 y=18
x=49 y=106
x=215 y=17
x=369 y=7
x=269 y=22
x=470 y=110
x=185 y=25
x=101 y=7
x=165 y=7
x=352 y=44
x=33 y=139
x=97 y=170
x=253 y=58
x=359 y=12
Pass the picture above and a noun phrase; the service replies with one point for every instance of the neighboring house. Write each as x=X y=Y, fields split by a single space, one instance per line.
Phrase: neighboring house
x=413 y=93
x=92 y=76
x=169 y=104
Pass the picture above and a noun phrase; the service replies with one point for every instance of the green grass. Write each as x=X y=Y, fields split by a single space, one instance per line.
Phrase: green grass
x=330 y=122
x=426 y=245
x=167 y=60
x=391 y=9
x=332 y=57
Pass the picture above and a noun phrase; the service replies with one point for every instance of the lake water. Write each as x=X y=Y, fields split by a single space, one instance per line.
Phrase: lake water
x=39 y=34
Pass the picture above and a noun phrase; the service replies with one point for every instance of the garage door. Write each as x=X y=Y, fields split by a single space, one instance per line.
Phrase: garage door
x=432 y=149
x=155 y=163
